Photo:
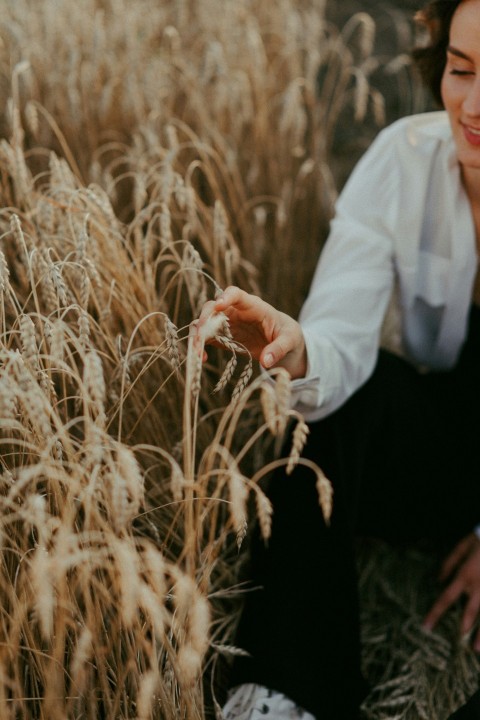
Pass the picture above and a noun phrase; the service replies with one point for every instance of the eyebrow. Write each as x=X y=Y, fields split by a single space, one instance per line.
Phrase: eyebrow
x=458 y=53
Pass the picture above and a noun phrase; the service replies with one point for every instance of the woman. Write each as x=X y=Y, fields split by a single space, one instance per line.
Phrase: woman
x=397 y=437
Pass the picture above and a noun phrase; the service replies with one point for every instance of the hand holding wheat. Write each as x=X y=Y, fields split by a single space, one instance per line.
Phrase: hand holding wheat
x=272 y=337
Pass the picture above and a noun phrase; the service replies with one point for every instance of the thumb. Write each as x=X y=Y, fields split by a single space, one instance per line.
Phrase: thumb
x=271 y=355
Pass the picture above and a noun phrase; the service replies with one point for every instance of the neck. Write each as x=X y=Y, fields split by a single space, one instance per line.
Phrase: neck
x=471 y=182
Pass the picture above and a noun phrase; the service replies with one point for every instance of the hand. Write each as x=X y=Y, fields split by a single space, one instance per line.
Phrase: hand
x=462 y=568
x=270 y=336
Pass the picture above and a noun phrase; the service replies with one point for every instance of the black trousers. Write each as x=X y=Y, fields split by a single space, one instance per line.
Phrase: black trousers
x=401 y=455
x=469 y=711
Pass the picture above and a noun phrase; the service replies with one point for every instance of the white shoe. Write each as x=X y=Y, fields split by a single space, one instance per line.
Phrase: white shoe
x=255 y=702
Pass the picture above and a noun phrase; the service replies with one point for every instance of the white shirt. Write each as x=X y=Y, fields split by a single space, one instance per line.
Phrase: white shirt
x=403 y=219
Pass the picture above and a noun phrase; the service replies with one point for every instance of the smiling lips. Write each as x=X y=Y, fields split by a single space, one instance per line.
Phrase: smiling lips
x=472 y=135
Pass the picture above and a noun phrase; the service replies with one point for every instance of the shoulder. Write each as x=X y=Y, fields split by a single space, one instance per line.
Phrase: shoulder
x=398 y=170
x=421 y=134
x=403 y=154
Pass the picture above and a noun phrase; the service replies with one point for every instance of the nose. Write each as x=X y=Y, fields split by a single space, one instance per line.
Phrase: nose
x=471 y=105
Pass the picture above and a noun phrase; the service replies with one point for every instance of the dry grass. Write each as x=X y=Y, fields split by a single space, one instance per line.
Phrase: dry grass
x=132 y=188
x=151 y=154
x=123 y=495
x=414 y=675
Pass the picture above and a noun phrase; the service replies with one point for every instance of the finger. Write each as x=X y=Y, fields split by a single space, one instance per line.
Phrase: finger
x=270 y=356
x=470 y=613
x=273 y=353
x=248 y=305
x=455 y=557
x=232 y=295
x=446 y=599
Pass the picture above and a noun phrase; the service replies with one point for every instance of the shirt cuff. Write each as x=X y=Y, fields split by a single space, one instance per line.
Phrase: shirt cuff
x=305 y=391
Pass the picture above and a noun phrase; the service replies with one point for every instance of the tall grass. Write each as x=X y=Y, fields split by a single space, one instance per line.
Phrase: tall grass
x=151 y=154
x=150 y=157
x=239 y=99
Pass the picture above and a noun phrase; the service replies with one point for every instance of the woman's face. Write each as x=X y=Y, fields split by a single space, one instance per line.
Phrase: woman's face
x=461 y=82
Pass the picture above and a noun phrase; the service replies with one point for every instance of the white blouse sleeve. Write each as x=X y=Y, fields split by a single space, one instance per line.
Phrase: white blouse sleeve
x=342 y=316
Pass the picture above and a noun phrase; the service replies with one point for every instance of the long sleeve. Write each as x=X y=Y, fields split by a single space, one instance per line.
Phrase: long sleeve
x=403 y=217
x=342 y=316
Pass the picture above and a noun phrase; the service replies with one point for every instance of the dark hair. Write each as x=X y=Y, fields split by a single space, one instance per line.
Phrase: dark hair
x=431 y=59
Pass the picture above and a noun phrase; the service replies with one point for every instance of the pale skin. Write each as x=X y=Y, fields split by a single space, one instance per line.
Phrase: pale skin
x=275 y=339
x=272 y=337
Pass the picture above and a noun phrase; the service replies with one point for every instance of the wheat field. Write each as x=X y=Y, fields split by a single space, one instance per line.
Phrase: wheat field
x=152 y=154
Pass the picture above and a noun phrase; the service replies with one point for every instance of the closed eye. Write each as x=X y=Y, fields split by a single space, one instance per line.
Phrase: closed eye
x=461 y=72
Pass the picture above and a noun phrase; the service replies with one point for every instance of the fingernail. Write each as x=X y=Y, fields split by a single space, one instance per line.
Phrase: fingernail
x=268 y=360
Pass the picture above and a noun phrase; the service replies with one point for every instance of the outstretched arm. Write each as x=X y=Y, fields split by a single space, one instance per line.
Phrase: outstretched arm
x=272 y=337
